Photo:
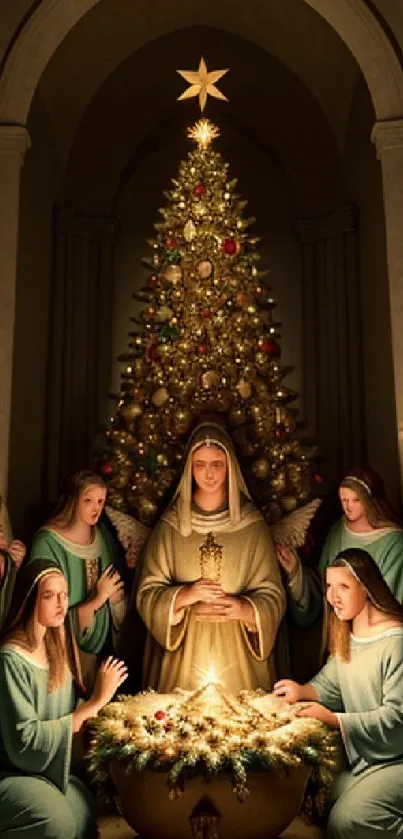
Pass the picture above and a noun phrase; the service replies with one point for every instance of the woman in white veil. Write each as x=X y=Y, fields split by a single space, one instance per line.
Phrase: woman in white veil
x=208 y=588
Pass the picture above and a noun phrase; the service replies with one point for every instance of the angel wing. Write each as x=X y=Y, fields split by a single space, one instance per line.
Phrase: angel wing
x=291 y=530
x=131 y=533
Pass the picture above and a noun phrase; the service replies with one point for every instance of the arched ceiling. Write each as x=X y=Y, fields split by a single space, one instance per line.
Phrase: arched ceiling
x=136 y=107
x=113 y=30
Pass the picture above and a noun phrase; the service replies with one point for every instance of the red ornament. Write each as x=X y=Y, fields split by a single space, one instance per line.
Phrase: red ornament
x=171 y=242
x=205 y=314
x=269 y=346
x=230 y=247
x=152 y=353
x=152 y=281
x=280 y=430
x=160 y=715
x=107 y=469
x=259 y=291
x=199 y=189
x=318 y=478
x=203 y=349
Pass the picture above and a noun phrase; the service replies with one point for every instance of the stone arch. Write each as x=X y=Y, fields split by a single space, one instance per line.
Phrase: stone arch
x=53 y=19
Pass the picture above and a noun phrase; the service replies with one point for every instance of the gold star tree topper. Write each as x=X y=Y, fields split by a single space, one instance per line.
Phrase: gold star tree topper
x=202 y=84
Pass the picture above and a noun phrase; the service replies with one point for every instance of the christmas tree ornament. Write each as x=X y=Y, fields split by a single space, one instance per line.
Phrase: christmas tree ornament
x=244 y=388
x=289 y=503
x=202 y=84
x=199 y=190
x=269 y=346
x=160 y=397
x=205 y=269
x=130 y=412
x=189 y=231
x=107 y=469
x=209 y=379
x=230 y=247
x=163 y=314
x=173 y=274
x=261 y=468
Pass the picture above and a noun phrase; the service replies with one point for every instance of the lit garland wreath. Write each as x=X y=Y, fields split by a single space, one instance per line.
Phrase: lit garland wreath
x=207 y=732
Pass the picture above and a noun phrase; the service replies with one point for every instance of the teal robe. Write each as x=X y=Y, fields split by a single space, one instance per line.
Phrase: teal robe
x=38 y=797
x=385 y=547
x=367 y=695
x=49 y=545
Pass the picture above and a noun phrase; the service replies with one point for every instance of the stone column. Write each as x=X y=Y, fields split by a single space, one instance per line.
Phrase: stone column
x=332 y=386
x=14 y=142
x=388 y=139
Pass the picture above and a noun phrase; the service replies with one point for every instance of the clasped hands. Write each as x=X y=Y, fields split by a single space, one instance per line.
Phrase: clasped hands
x=212 y=603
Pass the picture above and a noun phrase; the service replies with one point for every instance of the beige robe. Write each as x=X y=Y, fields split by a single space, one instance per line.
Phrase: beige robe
x=181 y=655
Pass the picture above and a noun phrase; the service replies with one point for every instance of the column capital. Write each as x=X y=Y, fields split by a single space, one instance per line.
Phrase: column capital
x=334 y=224
x=14 y=139
x=387 y=135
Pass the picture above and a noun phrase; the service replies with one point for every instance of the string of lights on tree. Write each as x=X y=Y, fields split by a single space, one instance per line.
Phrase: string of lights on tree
x=206 y=342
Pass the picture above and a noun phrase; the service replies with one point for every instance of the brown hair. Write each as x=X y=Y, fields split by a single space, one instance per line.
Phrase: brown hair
x=72 y=488
x=60 y=645
x=365 y=570
x=369 y=488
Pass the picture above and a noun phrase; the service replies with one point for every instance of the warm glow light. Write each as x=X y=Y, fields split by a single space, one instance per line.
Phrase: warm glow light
x=203 y=132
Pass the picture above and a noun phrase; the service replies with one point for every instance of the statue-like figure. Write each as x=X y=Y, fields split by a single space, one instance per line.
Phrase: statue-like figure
x=208 y=585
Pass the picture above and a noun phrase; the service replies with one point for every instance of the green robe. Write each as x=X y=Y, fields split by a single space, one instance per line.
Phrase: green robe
x=38 y=797
x=384 y=545
x=181 y=655
x=72 y=558
x=367 y=695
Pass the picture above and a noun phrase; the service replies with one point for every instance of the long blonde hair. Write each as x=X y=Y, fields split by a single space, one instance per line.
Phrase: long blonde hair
x=65 y=512
x=365 y=570
x=60 y=646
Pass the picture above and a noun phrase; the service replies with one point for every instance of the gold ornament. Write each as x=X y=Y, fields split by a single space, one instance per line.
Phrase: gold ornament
x=288 y=503
x=205 y=269
x=160 y=397
x=278 y=482
x=261 y=468
x=163 y=314
x=130 y=412
x=173 y=274
x=244 y=388
x=209 y=379
x=189 y=231
x=202 y=84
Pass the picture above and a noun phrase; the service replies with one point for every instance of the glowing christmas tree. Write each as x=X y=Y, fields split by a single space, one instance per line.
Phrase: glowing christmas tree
x=206 y=342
